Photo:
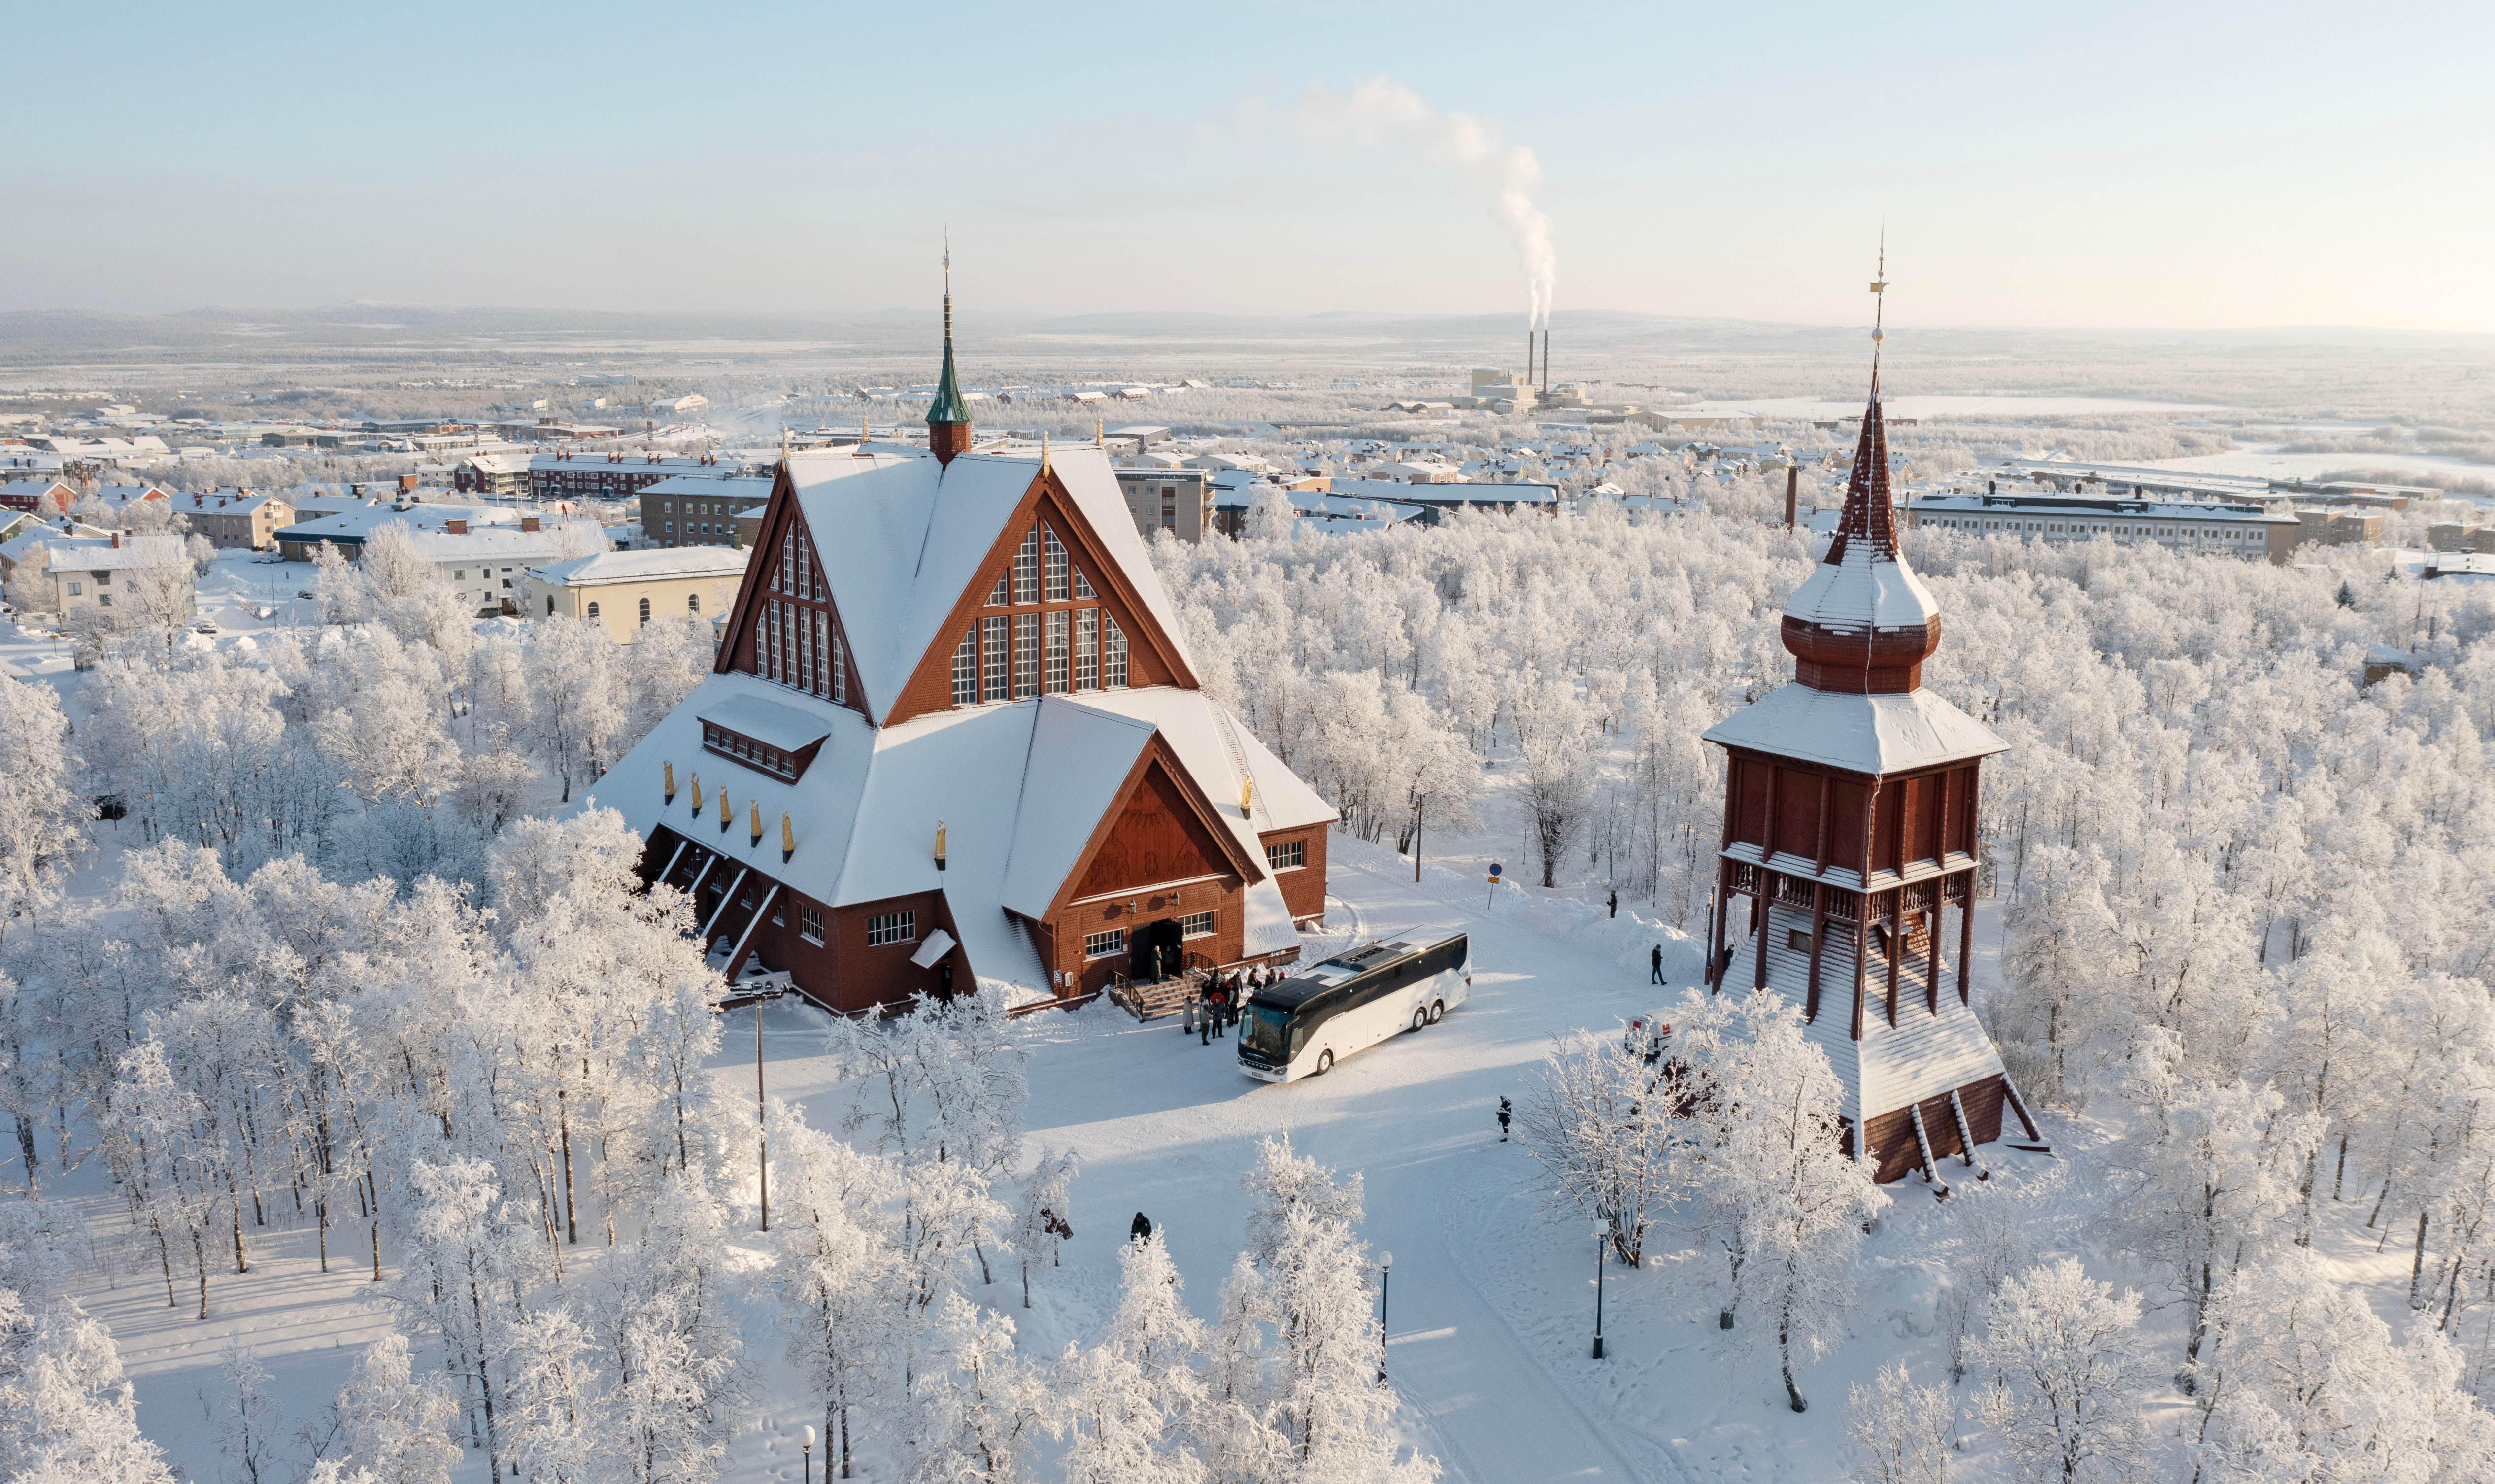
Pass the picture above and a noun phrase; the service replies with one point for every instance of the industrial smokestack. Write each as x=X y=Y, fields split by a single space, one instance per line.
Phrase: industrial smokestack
x=1529 y=354
x=1793 y=491
x=1546 y=363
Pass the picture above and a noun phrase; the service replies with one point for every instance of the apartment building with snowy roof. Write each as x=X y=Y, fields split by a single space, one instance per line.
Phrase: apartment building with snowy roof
x=2250 y=531
x=955 y=733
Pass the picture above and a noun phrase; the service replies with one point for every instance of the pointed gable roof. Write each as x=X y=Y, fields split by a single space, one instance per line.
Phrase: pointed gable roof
x=902 y=537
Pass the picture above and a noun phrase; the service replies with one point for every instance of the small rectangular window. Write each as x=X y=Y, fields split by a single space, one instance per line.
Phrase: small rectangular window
x=1798 y=940
x=1288 y=854
x=965 y=668
x=1104 y=944
x=1196 y=925
x=995 y=686
x=1087 y=649
x=1026 y=655
x=810 y=924
x=1055 y=654
x=891 y=928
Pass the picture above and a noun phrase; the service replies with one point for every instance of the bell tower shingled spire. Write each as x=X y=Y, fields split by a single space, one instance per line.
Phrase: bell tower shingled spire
x=949 y=416
x=1865 y=623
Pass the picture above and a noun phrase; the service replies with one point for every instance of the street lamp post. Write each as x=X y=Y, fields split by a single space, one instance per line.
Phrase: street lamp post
x=806 y=1455
x=762 y=1118
x=1602 y=1235
x=1385 y=1277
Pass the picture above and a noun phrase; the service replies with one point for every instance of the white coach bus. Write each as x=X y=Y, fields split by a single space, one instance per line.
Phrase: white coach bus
x=1302 y=1026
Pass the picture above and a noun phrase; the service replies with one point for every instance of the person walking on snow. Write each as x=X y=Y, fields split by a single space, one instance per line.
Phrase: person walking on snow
x=1502 y=1120
x=1141 y=1230
x=1654 y=962
x=1614 y=901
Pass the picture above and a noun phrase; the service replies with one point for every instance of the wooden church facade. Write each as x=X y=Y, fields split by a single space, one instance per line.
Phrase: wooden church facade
x=953 y=731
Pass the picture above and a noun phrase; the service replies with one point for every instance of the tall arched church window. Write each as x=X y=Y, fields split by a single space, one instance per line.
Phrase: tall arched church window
x=645 y=610
x=693 y=602
x=593 y=610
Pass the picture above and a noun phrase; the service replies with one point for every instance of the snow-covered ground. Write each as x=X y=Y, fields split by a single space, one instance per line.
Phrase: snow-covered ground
x=1492 y=1301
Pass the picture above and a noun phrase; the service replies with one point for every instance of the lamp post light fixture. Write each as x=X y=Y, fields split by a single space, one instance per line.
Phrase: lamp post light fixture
x=1385 y=1278
x=806 y=1455
x=1602 y=1236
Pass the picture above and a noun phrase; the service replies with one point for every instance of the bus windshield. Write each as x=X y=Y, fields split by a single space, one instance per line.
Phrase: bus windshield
x=1262 y=1030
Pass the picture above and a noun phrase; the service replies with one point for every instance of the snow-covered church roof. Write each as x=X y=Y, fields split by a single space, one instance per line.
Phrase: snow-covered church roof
x=899 y=535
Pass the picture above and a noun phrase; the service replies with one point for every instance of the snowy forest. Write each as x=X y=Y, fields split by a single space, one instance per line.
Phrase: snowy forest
x=357 y=959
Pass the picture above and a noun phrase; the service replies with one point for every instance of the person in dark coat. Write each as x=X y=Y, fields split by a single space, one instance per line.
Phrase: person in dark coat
x=1502 y=1120
x=1615 y=903
x=1221 y=1015
x=1654 y=962
x=1141 y=1230
x=1204 y=1016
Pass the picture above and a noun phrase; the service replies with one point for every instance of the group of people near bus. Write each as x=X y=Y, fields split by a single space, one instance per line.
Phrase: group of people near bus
x=1219 y=1004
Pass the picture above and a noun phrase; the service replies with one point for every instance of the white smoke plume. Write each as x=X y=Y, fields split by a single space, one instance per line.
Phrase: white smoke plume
x=1380 y=110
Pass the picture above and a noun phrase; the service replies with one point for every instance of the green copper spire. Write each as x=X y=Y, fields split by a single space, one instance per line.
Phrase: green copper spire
x=948 y=406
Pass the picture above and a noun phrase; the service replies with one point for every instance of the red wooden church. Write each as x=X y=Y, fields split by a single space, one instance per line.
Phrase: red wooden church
x=954 y=730
x=1849 y=836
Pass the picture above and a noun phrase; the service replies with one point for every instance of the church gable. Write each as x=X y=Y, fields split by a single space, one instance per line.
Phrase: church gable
x=1158 y=834
x=1047 y=613
x=786 y=628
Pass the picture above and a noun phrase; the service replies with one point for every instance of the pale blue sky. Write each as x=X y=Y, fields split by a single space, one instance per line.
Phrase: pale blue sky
x=2110 y=164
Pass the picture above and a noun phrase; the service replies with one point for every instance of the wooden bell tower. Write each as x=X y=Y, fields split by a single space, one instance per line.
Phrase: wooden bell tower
x=1849 y=837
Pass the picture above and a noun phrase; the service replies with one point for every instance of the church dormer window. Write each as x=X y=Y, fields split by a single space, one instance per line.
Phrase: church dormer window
x=1083 y=585
x=1087 y=649
x=997 y=597
x=994 y=682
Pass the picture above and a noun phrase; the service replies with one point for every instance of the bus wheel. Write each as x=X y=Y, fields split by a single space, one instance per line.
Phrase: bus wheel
x=1420 y=1017
x=1438 y=1008
x=1325 y=1063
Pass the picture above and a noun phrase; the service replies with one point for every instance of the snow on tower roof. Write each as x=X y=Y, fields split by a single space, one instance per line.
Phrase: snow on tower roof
x=1864 y=579
x=1883 y=733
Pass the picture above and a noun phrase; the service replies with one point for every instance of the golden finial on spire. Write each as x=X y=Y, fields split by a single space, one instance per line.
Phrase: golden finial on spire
x=1880 y=289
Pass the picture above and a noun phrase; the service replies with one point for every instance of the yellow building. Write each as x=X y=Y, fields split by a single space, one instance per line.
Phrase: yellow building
x=625 y=590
